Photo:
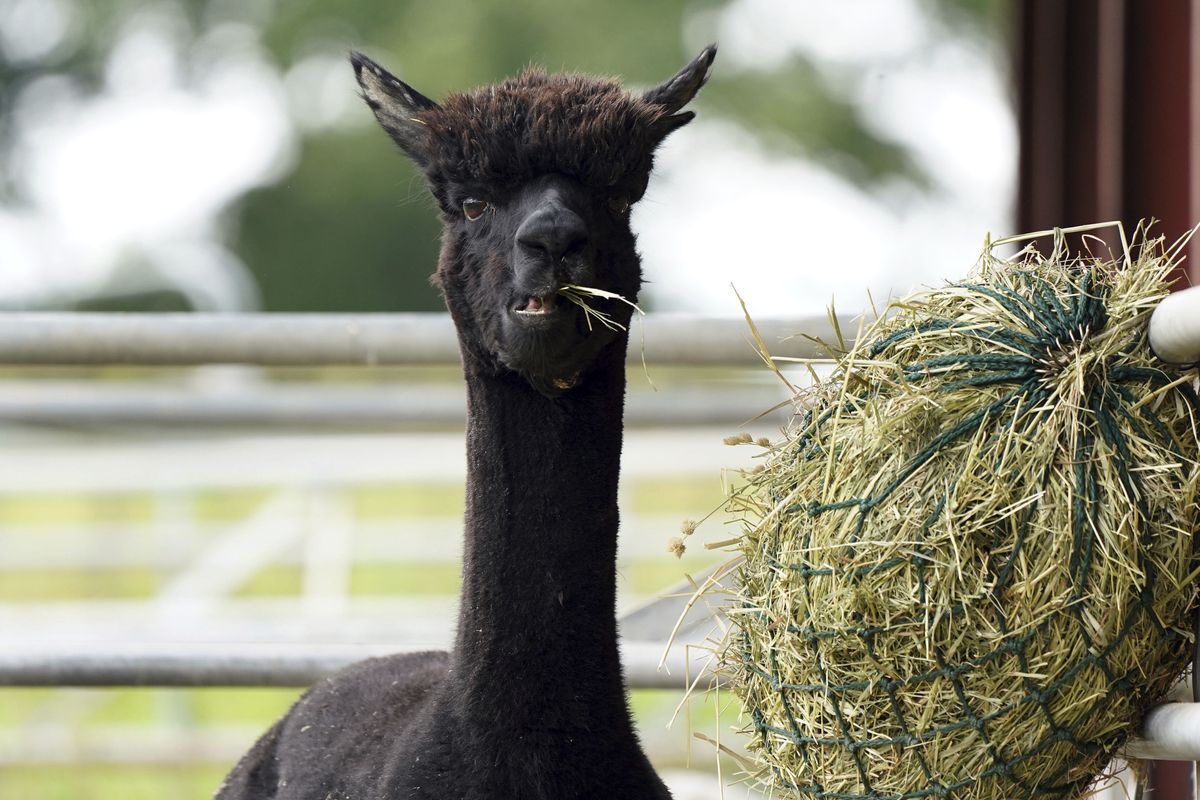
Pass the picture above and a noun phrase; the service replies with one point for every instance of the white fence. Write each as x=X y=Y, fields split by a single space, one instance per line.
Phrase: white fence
x=305 y=522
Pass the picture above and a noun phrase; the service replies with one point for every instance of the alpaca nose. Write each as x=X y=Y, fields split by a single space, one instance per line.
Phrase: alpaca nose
x=553 y=231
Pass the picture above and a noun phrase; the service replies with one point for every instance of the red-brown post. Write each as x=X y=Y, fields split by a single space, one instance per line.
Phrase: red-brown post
x=1109 y=110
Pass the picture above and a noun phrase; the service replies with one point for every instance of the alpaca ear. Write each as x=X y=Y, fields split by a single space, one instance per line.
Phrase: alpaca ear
x=665 y=126
x=396 y=105
x=679 y=90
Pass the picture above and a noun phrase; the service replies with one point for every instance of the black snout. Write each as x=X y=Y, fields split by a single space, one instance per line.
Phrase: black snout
x=552 y=231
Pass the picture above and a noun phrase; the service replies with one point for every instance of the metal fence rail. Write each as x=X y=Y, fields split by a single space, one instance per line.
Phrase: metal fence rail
x=224 y=664
x=273 y=405
x=350 y=339
x=1168 y=733
x=1172 y=730
x=329 y=339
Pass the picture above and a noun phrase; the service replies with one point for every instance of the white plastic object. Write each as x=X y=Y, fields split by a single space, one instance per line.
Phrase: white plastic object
x=1175 y=327
x=1170 y=731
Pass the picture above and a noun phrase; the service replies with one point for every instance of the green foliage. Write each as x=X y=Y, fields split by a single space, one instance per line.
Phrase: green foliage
x=350 y=227
x=429 y=579
x=66 y=509
x=41 y=585
x=795 y=109
x=350 y=230
x=384 y=501
x=987 y=18
x=161 y=301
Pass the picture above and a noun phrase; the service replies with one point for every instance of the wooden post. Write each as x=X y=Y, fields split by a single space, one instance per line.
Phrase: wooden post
x=1109 y=107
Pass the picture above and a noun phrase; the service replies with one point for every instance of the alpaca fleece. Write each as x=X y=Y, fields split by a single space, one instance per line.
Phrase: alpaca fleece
x=588 y=128
x=530 y=703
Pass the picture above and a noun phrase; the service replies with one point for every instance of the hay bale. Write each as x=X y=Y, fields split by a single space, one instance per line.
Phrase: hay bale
x=969 y=567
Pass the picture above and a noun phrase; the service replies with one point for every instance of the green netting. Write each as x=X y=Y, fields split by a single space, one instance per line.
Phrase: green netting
x=969 y=565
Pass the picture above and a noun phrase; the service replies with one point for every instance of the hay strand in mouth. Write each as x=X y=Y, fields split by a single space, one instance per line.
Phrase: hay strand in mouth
x=578 y=295
x=969 y=565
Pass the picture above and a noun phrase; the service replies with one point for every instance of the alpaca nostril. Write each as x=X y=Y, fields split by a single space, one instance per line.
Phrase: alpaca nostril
x=553 y=231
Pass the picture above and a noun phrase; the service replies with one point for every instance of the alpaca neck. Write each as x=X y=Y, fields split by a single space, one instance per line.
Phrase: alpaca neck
x=537 y=640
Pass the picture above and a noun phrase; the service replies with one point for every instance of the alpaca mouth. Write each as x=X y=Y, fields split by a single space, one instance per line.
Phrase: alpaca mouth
x=536 y=306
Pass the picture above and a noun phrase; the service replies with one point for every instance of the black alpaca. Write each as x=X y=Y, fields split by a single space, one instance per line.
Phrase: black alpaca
x=534 y=177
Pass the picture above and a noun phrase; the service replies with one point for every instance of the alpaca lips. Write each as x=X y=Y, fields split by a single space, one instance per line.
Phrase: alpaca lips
x=538 y=305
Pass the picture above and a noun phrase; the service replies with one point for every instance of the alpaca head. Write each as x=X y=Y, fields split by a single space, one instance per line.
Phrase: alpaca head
x=534 y=177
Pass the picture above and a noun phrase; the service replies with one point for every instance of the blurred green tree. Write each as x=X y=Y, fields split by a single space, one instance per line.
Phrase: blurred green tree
x=349 y=228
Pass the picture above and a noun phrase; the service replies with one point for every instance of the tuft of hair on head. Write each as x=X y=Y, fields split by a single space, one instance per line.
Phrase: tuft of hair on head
x=516 y=127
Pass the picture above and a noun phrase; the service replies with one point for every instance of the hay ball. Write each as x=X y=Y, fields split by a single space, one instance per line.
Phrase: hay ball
x=969 y=566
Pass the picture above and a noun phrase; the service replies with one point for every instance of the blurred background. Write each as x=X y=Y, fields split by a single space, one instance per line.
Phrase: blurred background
x=213 y=155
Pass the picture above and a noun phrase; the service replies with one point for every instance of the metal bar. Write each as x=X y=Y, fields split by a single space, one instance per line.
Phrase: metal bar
x=289 y=406
x=422 y=540
x=178 y=665
x=266 y=339
x=1170 y=731
x=192 y=665
x=326 y=339
x=681 y=608
x=147 y=464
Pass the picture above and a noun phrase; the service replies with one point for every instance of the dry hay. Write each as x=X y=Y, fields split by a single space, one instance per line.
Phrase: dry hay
x=969 y=566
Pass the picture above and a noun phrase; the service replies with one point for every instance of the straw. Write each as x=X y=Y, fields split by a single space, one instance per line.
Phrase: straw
x=969 y=566
x=578 y=295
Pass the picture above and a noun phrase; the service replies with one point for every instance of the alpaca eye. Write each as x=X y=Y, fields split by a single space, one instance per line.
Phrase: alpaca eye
x=473 y=209
x=619 y=205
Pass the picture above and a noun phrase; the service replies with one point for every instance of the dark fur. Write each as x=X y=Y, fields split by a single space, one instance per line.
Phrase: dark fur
x=530 y=703
x=496 y=137
x=539 y=124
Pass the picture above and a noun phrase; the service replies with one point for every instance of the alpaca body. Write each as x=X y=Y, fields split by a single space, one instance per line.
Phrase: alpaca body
x=408 y=744
x=530 y=703
x=466 y=724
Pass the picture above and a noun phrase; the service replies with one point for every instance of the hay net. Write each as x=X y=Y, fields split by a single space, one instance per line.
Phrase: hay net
x=969 y=565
